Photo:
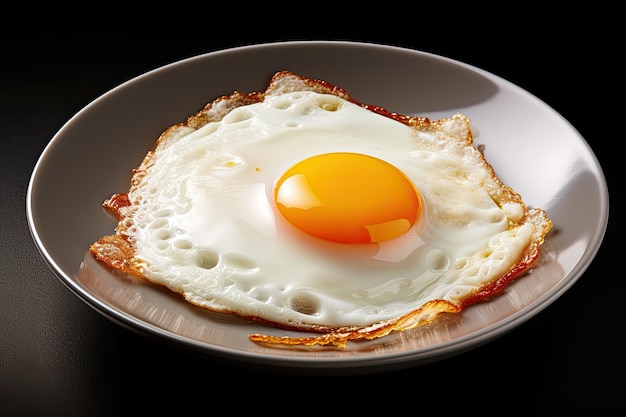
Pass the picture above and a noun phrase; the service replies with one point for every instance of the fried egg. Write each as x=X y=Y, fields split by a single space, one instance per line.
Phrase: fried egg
x=308 y=211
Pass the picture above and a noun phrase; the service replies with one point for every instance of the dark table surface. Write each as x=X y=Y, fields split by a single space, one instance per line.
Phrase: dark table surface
x=60 y=357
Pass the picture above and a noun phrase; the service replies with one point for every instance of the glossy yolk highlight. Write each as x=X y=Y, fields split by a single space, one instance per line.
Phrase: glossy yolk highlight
x=348 y=198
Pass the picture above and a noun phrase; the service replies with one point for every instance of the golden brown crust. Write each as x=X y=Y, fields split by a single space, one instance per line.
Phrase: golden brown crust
x=426 y=314
x=117 y=252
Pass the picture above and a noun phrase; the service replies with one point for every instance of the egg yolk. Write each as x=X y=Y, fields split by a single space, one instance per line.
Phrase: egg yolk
x=348 y=198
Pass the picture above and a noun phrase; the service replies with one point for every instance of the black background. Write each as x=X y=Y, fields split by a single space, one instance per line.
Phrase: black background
x=59 y=357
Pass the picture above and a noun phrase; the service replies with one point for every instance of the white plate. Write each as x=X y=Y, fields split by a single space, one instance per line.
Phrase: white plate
x=532 y=148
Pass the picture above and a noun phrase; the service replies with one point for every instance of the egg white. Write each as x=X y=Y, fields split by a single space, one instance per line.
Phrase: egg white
x=206 y=225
